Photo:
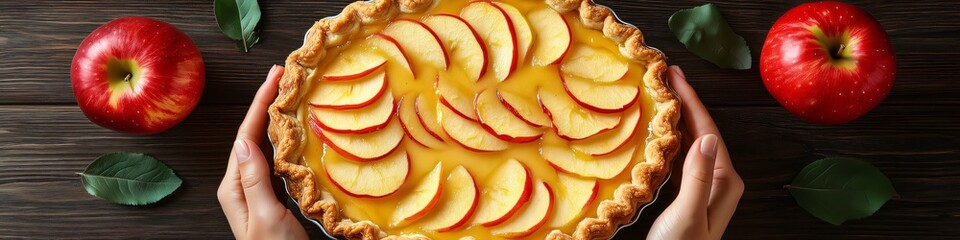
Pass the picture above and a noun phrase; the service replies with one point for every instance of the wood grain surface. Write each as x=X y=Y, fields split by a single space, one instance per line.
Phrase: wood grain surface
x=913 y=136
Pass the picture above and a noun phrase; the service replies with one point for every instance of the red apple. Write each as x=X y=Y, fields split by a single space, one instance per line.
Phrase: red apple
x=828 y=62
x=137 y=75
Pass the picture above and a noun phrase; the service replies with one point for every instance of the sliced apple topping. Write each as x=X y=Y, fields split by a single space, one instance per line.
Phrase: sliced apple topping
x=353 y=63
x=497 y=31
x=552 y=41
x=612 y=140
x=419 y=201
x=507 y=189
x=499 y=121
x=350 y=94
x=597 y=64
x=457 y=203
x=470 y=134
x=456 y=94
x=531 y=217
x=426 y=105
x=604 y=167
x=362 y=147
x=361 y=120
x=419 y=41
x=521 y=29
x=571 y=121
x=600 y=97
x=573 y=197
x=391 y=48
x=368 y=179
x=524 y=107
x=463 y=43
x=410 y=121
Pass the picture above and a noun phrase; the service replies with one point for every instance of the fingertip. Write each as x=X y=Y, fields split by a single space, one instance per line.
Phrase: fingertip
x=276 y=71
x=241 y=150
x=708 y=146
x=676 y=74
x=697 y=180
x=253 y=167
x=678 y=81
x=679 y=72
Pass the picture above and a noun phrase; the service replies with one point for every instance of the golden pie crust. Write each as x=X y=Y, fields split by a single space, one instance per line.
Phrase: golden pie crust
x=287 y=134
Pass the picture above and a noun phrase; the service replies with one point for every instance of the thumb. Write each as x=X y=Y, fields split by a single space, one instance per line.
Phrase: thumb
x=254 y=177
x=698 y=175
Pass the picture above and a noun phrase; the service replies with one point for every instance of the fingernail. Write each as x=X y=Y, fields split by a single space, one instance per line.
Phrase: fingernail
x=273 y=70
x=708 y=145
x=240 y=148
x=676 y=69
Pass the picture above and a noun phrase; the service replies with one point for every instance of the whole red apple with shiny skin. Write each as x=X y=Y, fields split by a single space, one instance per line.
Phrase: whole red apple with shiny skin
x=137 y=75
x=827 y=62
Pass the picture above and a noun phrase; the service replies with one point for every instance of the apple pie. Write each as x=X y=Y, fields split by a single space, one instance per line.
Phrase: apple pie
x=444 y=119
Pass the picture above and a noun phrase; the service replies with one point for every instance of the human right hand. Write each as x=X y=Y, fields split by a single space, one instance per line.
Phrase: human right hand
x=710 y=187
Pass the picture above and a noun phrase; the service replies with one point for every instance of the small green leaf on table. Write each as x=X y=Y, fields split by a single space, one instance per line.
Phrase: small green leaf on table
x=129 y=178
x=238 y=19
x=706 y=33
x=839 y=189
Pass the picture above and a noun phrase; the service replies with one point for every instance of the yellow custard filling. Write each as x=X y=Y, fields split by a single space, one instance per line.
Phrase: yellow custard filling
x=526 y=81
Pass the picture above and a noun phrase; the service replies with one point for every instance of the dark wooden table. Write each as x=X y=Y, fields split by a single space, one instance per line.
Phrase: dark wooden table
x=913 y=136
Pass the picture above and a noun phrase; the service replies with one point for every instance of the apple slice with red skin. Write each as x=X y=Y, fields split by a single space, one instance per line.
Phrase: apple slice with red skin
x=410 y=121
x=342 y=95
x=552 y=42
x=571 y=121
x=391 y=48
x=426 y=109
x=604 y=167
x=573 y=197
x=457 y=203
x=456 y=95
x=526 y=108
x=499 y=121
x=368 y=179
x=421 y=199
x=420 y=42
x=521 y=29
x=497 y=32
x=531 y=217
x=470 y=134
x=507 y=189
x=600 y=97
x=354 y=62
x=361 y=120
x=462 y=42
x=362 y=147
x=597 y=64
x=610 y=141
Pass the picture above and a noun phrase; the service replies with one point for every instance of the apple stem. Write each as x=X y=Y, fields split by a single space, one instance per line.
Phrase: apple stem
x=839 y=53
x=127 y=79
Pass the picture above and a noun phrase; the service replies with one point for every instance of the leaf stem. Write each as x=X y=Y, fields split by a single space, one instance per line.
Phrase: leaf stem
x=243 y=40
x=810 y=189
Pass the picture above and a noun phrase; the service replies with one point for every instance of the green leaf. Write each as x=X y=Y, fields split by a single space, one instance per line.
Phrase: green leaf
x=237 y=19
x=706 y=33
x=839 y=189
x=129 y=178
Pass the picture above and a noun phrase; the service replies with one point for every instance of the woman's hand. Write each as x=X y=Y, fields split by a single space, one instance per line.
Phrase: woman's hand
x=245 y=193
x=710 y=188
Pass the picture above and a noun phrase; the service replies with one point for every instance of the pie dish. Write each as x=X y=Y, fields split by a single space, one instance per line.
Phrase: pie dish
x=421 y=119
